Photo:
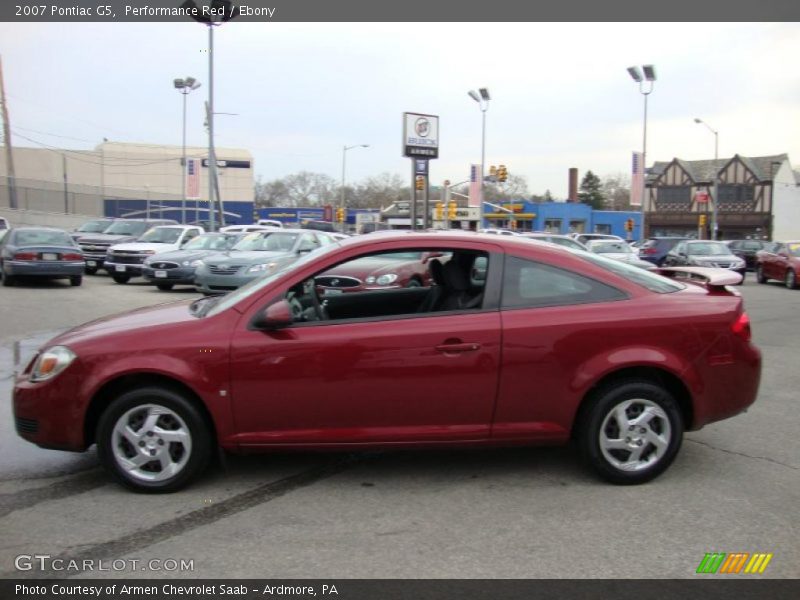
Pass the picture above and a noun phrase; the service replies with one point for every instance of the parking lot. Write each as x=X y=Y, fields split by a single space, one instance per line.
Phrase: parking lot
x=510 y=513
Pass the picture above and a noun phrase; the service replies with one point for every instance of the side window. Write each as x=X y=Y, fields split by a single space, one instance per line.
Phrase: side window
x=528 y=284
x=680 y=249
x=393 y=284
x=308 y=242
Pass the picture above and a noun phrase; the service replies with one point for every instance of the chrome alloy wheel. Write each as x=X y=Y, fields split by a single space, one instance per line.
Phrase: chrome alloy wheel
x=635 y=435
x=151 y=443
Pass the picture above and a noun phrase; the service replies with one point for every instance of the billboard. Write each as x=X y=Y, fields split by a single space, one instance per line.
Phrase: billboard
x=420 y=135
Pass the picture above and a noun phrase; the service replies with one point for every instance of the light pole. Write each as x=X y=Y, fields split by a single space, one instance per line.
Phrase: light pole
x=344 y=165
x=483 y=102
x=184 y=86
x=716 y=177
x=645 y=87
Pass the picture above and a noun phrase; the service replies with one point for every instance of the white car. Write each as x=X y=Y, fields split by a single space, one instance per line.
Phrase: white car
x=124 y=261
x=618 y=250
x=270 y=223
x=245 y=228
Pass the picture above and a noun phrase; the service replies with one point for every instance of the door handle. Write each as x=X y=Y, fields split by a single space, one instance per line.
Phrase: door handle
x=457 y=348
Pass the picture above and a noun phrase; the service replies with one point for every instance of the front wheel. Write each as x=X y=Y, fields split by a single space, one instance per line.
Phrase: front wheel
x=632 y=432
x=153 y=440
x=121 y=278
x=791 y=279
x=760 y=277
x=90 y=270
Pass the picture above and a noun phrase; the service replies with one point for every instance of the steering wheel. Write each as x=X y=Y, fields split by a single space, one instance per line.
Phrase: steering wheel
x=319 y=308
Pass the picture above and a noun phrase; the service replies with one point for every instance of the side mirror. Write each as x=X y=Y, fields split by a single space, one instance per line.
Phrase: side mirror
x=275 y=316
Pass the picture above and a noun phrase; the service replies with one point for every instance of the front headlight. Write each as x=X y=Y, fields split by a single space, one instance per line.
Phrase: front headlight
x=383 y=279
x=260 y=268
x=192 y=263
x=51 y=362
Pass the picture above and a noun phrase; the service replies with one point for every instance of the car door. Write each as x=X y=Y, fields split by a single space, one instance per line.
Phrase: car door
x=774 y=262
x=416 y=377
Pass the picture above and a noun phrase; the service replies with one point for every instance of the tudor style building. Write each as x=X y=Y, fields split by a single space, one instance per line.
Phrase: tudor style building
x=758 y=197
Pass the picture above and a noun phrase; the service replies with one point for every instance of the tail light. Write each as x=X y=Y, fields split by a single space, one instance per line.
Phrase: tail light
x=741 y=327
x=25 y=256
x=71 y=256
x=648 y=250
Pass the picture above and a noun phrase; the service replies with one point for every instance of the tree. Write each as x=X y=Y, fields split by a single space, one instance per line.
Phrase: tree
x=270 y=193
x=617 y=191
x=378 y=192
x=591 y=192
x=546 y=197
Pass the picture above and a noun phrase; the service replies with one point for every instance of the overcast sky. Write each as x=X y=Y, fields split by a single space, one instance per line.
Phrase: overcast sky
x=561 y=96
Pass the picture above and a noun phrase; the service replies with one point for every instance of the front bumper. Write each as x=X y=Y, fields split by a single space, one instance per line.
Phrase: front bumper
x=43 y=268
x=123 y=269
x=209 y=283
x=183 y=275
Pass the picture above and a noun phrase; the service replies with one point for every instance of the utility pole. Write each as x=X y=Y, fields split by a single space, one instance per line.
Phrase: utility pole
x=10 y=175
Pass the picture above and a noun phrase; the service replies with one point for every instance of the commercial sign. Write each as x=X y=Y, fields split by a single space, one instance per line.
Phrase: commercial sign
x=192 y=178
x=420 y=135
x=421 y=166
x=701 y=196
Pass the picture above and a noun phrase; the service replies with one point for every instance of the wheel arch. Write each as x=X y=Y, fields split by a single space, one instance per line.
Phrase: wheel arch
x=659 y=376
x=113 y=388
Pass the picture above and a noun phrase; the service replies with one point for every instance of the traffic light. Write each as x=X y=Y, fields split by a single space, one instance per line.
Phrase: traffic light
x=340 y=215
x=502 y=173
x=702 y=220
x=438 y=213
x=492 y=172
x=451 y=210
x=420 y=182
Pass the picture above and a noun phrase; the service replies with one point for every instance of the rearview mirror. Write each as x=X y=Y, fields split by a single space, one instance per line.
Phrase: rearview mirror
x=275 y=316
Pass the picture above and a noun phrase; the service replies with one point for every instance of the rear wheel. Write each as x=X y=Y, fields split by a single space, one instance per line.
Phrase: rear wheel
x=121 y=278
x=791 y=279
x=76 y=281
x=153 y=440
x=164 y=287
x=632 y=432
x=8 y=280
x=760 y=277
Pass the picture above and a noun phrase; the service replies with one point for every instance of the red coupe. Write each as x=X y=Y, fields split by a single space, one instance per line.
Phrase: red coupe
x=517 y=343
x=781 y=261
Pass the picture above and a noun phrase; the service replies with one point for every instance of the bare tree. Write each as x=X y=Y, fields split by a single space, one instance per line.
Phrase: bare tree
x=378 y=191
x=617 y=191
x=271 y=193
x=309 y=189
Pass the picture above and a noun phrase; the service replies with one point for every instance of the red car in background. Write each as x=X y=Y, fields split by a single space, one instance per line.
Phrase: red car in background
x=781 y=261
x=381 y=271
x=521 y=343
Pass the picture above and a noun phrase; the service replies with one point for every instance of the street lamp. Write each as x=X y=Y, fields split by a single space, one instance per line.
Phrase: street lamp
x=184 y=86
x=645 y=88
x=483 y=101
x=344 y=164
x=716 y=177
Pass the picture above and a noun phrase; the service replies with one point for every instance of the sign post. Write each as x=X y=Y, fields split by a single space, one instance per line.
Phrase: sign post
x=421 y=144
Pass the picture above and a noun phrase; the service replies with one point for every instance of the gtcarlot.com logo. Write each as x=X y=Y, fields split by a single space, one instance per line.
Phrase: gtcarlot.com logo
x=734 y=563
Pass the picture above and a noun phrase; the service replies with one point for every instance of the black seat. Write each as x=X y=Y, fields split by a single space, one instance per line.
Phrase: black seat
x=435 y=292
x=457 y=294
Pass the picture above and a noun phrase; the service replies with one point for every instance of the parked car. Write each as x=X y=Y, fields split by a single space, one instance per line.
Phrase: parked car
x=270 y=223
x=255 y=255
x=4 y=224
x=382 y=271
x=39 y=252
x=95 y=246
x=619 y=250
x=551 y=345
x=705 y=253
x=91 y=227
x=245 y=228
x=655 y=249
x=746 y=249
x=124 y=261
x=497 y=231
x=583 y=238
x=325 y=226
x=554 y=238
x=781 y=261
x=177 y=267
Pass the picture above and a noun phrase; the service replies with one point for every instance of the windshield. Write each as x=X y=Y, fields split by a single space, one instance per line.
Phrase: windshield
x=610 y=247
x=707 y=249
x=213 y=241
x=224 y=302
x=94 y=226
x=136 y=228
x=267 y=241
x=161 y=235
x=651 y=281
x=42 y=238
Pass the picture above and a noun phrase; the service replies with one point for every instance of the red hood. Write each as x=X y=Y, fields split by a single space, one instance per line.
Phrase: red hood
x=135 y=320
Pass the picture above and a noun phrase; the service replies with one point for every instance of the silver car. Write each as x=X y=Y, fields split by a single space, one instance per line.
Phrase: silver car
x=618 y=250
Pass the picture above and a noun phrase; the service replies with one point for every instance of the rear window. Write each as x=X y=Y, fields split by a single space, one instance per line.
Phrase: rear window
x=42 y=238
x=651 y=281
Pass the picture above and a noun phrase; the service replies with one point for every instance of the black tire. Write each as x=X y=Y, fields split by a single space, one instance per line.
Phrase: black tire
x=90 y=270
x=598 y=420
x=121 y=278
x=790 y=279
x=165 y=287
x=75 y=281
x=8 y=280
x=175 y=403
x=760 y=277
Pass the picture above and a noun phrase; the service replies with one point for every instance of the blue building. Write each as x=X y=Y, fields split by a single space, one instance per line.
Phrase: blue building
x=561 y=217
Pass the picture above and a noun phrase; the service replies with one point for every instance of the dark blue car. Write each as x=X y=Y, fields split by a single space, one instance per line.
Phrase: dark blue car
x=40 y=252
x=655 y=249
